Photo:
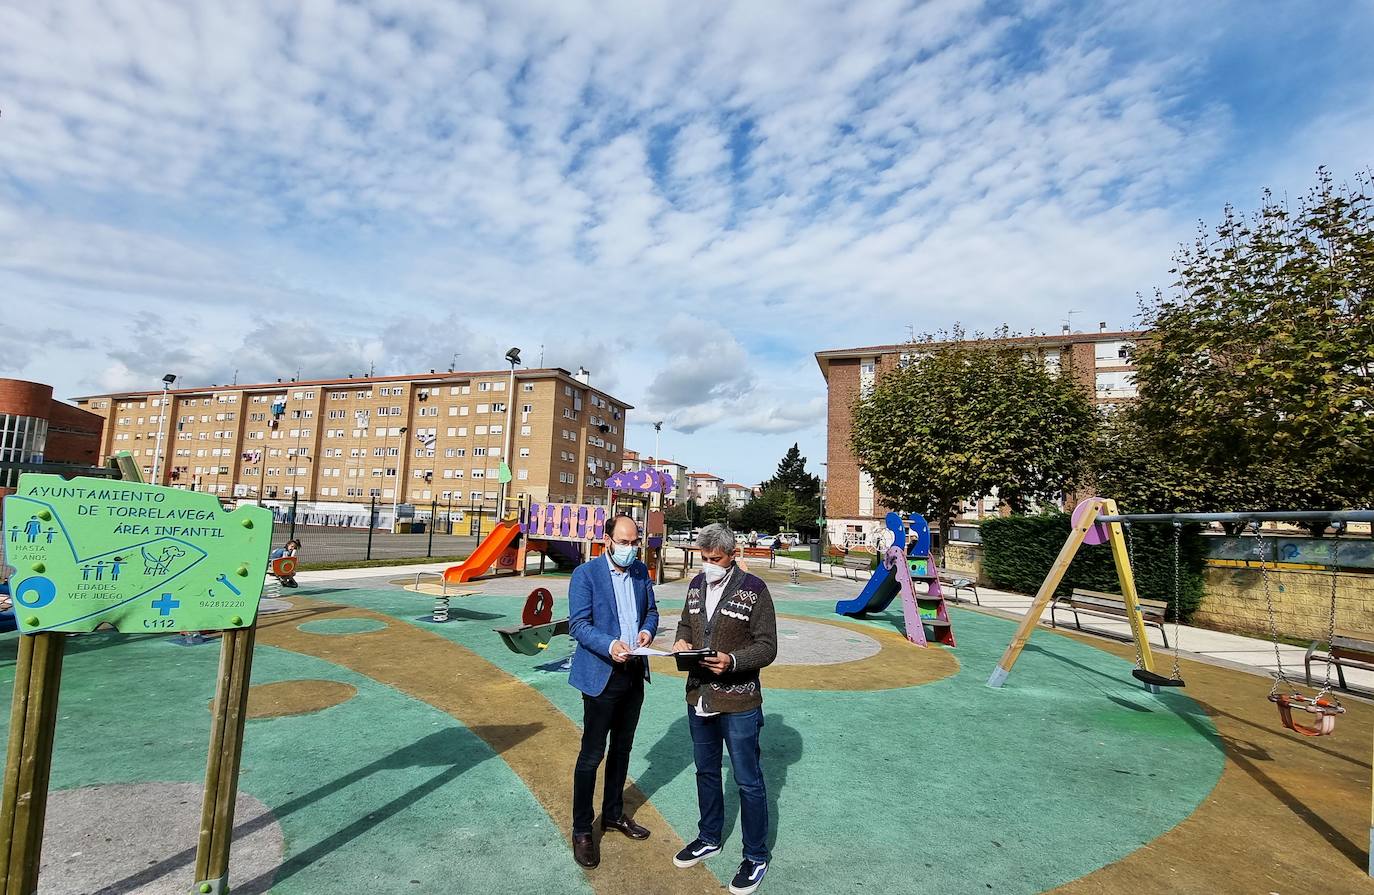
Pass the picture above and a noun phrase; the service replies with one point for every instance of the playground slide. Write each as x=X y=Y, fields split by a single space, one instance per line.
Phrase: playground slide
x=880 y=590
x=565 y=554
x=487 y=552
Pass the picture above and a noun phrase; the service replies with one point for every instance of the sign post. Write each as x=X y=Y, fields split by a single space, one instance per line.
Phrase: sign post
x=142 y=558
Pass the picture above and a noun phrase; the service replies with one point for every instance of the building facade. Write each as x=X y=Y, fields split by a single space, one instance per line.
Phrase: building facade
x=34 y=428
x=1099 y=362
x=705 y=487
x=738 y=495
x=412 y=439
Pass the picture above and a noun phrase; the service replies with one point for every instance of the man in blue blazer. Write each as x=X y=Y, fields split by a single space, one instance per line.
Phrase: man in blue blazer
x=611 y=610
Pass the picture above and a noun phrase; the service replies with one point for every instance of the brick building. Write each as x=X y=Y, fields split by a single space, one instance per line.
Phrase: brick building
x=34 y=428
x=1099 y=362
x=413 y=439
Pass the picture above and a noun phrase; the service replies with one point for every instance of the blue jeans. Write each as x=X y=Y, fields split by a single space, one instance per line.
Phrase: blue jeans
x=739 y=732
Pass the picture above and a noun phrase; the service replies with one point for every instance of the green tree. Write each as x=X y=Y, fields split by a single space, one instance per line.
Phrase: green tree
x=971 y=418
x=805 y=487
x=762 y=513
x=677 y=517
x=717 y=509
x=1257 y=381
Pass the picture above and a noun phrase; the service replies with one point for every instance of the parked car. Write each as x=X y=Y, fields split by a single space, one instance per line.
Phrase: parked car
x=790 y=538
x=768 y=541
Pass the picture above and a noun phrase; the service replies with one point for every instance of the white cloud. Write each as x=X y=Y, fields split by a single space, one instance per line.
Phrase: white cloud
x=688 y=199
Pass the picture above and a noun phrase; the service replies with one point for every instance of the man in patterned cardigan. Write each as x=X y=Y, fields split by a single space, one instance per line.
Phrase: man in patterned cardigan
x=730 y=611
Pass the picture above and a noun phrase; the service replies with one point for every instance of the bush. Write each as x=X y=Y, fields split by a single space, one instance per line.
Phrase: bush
x=1019 y=550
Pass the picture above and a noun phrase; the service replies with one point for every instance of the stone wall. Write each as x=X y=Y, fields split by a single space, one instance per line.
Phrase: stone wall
x=1234 y=601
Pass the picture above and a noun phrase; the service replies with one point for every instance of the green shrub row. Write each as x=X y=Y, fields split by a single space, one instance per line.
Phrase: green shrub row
x=1019 y=550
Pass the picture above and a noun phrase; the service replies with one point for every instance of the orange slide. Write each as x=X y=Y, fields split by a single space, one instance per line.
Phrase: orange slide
x=487 y=552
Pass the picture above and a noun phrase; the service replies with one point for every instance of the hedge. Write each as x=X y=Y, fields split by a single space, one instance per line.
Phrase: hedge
x=1019 y=550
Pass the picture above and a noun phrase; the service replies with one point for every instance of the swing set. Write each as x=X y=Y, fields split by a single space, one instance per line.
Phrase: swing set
x=1096 y=521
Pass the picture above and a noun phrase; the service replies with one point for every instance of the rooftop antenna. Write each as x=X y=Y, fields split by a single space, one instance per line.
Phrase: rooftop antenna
x=371 y=366
x=1068 y=321
x=541 y=354
x=453 y=364
x=910 y=333
x=236 y=377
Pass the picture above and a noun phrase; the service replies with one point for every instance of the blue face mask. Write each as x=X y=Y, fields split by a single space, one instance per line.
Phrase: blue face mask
x=623 y=556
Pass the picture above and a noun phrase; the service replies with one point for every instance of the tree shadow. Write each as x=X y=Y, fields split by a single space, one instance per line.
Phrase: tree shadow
x=781 y=745
x=451 y=750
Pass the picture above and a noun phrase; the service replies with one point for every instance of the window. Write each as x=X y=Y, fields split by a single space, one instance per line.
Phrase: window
x=524 y=452
x=462 y=431
x=498 y=407
x=478 y=473
x=526 y=408
x=480 y=430
x=453 y=411
x=453 y=390
x=463 y=411
x=528 y=387
x=484 y=386
x=465 y=390
x=481 y=408
x=479 y=452
x=522 y=475
x=524 y=430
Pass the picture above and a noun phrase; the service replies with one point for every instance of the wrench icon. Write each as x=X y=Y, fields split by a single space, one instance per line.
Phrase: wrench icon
x=225 y=581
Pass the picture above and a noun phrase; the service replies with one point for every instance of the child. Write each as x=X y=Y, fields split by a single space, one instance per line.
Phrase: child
x=291 y=548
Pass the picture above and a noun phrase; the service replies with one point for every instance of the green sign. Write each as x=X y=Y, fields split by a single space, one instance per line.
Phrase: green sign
x=820 y=520
x=141 y=557
x=504 y=476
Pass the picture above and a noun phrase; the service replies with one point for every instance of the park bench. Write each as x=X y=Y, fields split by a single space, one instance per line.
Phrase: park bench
x=857 y=562
x=760 y=553
x=957 y=583
x=834 y=556
x=1093 y=602
x=1345 y=652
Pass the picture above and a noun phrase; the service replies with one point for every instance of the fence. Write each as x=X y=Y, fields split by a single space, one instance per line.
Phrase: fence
x=339 y=534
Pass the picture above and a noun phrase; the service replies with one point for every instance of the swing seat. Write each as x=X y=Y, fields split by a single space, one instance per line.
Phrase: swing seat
x=1154 y=679
x=1324 y=710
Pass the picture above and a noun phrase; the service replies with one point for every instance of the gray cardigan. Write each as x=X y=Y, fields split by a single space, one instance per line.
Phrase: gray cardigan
x=744 y=626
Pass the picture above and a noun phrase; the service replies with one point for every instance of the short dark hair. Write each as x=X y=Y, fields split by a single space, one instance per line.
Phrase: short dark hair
x=609 y=529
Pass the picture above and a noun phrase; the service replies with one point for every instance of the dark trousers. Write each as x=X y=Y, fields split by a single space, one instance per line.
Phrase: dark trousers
x=738 y=732
x=615 y=713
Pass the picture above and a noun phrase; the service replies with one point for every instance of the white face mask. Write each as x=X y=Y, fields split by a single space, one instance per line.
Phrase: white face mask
x=714 y=573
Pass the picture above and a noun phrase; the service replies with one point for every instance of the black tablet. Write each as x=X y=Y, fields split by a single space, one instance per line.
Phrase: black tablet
x=688 y=660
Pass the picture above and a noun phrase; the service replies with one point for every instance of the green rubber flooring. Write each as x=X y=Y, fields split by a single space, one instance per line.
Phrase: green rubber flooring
x=948 y=787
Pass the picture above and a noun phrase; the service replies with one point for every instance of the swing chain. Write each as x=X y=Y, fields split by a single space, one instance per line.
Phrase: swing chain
x=1178 y=599
x=1331 y=620
x=1279 y=676
x=1130 y=556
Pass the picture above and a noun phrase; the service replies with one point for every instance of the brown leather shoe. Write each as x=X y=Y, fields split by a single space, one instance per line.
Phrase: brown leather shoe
x=585 y=851
x=627 y=826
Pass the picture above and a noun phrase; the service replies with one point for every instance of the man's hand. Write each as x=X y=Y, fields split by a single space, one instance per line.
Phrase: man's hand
x=645 y=638
x=681 y=645
x=619 y=651
x=719 y=663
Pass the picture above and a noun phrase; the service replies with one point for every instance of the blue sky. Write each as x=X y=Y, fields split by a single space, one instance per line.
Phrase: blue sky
x=688 y=199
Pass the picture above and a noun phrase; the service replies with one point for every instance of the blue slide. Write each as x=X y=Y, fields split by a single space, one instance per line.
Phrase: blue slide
x=880 y=590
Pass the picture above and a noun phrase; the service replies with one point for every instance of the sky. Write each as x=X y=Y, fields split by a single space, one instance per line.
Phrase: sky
x=687 y=199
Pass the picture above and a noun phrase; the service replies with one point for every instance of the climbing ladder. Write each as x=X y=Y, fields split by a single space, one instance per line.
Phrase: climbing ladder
x=920 y=610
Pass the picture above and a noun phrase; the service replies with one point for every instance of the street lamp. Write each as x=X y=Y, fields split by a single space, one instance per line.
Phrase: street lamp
x=822 y=525
x=396 y=487
x=514 y=357
x=162 y=419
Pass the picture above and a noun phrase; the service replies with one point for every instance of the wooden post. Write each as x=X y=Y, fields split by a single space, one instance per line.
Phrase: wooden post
x=1126 y=575
x=222 y=767
x=33 y=720
x=1045 y=594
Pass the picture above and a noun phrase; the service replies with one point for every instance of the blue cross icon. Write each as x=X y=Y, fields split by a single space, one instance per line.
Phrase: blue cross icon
x=165 y=604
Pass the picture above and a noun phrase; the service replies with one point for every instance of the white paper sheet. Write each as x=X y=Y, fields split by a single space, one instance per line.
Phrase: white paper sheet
x=648 y=651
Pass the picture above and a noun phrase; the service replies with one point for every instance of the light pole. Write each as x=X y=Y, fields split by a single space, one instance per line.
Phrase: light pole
x=396 y=487
x=824 y=479
x=161 y=422
x=514 y=357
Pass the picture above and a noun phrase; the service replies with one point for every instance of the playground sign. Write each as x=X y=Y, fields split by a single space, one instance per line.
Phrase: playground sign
x=142 y=557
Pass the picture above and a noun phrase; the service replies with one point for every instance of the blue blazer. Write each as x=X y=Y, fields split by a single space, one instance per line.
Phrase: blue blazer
x=595 y=625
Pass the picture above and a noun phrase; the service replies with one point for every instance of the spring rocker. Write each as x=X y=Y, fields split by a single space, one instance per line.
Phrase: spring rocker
x=537 y=626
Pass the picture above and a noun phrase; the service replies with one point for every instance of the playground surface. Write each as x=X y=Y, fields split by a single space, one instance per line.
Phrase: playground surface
x=386 y=753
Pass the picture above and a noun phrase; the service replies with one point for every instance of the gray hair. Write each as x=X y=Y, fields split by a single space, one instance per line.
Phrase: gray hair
x=717 y=536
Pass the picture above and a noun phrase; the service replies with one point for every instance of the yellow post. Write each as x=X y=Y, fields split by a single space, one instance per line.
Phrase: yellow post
x=1045 y=593
x=1122 y=557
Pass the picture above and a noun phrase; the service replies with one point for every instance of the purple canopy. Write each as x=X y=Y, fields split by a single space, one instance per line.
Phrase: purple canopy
x=645 y=481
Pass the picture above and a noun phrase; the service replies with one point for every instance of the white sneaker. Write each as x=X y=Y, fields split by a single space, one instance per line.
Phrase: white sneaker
x=695 y=852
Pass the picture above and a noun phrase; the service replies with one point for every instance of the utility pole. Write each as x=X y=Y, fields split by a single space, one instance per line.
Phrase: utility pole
x=514 y=357
x=161 y=424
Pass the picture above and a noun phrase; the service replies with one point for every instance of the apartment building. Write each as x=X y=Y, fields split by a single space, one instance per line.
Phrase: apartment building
x=704 y=487
x=415 y=439
x=738 y=494
x=1099 y=362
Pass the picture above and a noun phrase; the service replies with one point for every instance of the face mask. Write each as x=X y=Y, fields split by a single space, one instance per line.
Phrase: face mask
x=714 y=573
x=623 y=556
